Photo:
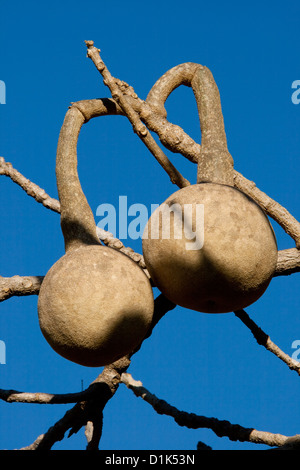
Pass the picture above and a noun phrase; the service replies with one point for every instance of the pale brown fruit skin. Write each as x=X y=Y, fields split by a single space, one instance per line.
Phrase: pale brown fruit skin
x=236 y=262
x=95 y=305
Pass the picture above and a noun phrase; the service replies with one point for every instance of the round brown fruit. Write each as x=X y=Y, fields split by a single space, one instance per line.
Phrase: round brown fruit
x=232 y=259
x=95 y=305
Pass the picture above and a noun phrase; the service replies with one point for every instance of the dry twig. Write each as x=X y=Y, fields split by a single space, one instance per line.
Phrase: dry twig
x=134 y=119
x=83 y=412
x=31 y=189
x=264 y=340
x=221 y=428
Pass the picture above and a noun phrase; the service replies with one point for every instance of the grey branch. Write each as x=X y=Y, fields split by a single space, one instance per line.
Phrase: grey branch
x=221 y=428
x=278 y=213
x=288 y=263
x=105 y=386
x=110 y=375
x=170 y=135
x=91 y=401
x=19 y=286
x=15 y=396
x=175 y=139
x=288 y=260
x=31 y=189
x=109 y=240
x=264 y=340
x=104 y=107
x=138 y=127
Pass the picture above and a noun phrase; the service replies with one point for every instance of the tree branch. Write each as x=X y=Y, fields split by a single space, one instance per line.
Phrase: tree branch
x=170 y=135
x=138 y=127
x=176 y=140
x=107 y=384
x=264 y=340
x=277 y=212
x=161 y=306
x=14 y=396
x=93 y=431
x=19 y=286
x=288 y=262
x=221 y=428
x=109 y=240
x=30 y=188
x=90 y=402
x=103 y=107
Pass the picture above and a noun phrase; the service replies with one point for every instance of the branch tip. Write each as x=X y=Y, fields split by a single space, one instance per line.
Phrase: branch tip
x=89 y=43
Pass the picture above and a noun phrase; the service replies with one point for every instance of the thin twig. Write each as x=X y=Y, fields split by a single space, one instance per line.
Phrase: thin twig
x=14 y=396
x=138 y=127
x=83 y=411
x=221 y=428
x=109 y=240
x=264 y=340
x=31 y=189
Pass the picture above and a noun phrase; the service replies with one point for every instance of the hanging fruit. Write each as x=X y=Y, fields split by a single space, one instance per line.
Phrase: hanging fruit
x=95 y=304
x=209 y=247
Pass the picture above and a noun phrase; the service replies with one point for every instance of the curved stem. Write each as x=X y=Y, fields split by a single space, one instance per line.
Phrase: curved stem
x=182 y=74
x=77 y=220
x=215 y=163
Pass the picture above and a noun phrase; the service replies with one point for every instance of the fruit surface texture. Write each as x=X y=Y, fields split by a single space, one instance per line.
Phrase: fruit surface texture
x=95 y=305
x=234 y=258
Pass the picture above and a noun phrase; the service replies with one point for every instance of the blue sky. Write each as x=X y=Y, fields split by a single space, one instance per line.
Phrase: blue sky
x=206 y=364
